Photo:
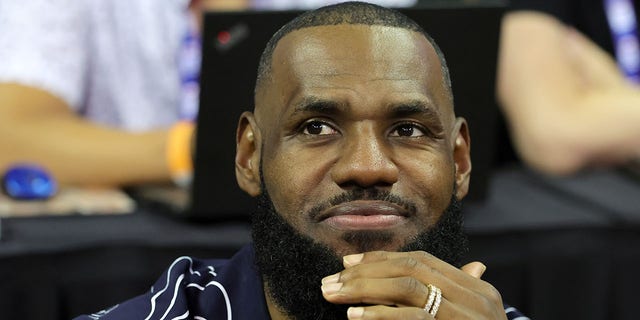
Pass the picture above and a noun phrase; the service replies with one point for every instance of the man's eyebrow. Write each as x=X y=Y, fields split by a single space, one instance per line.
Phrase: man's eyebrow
x=317 y=105
x=412 y=108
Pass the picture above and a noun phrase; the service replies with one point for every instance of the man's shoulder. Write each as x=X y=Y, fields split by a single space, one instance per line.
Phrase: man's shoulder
x=191 y=288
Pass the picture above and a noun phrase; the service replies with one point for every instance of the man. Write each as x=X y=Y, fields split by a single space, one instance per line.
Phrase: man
x=358 y=164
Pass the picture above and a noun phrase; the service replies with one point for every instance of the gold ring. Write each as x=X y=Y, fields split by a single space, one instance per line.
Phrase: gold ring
x=433 y=301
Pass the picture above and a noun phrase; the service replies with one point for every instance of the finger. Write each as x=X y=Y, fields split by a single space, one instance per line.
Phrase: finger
x=385 y=312
x=377 y=256
x=424 y=266
x=475 y=269
x=404 y=291
x=355 y=259
x=446 y=310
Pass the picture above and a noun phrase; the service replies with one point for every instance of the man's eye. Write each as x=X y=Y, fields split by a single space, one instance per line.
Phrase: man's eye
x=407 y=130
x=318 y=128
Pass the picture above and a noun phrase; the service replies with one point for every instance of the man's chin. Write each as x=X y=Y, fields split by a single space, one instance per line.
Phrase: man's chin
x=358 y=241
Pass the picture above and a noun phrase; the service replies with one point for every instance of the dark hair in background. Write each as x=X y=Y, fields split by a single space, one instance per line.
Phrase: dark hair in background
x=348 y=13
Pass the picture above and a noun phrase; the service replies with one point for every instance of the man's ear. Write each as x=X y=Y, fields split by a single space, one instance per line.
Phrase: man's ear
x=248 y=148
x=462 y=157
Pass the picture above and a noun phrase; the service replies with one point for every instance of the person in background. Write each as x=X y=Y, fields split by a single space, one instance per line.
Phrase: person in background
x=568 y=83
x=359 y=164
x=102 y=93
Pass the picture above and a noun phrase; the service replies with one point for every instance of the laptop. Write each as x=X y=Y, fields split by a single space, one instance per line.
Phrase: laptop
x=232 y=44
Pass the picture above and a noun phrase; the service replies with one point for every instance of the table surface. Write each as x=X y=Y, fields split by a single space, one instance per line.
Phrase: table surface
x=547 y=255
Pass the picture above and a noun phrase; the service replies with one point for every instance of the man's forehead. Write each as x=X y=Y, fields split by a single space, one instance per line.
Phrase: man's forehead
x=375 y=52
x=353 y=37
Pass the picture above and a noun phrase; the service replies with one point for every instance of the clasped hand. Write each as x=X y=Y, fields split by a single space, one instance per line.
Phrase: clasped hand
x=394 y=285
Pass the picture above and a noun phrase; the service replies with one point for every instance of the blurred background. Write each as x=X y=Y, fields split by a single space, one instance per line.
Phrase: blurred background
x=102 y=102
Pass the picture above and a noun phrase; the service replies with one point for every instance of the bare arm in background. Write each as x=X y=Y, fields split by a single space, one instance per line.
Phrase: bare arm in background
x=567 y=105
x=38 y=127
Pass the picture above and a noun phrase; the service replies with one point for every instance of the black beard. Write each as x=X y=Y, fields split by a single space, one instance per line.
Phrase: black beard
x=293 y=265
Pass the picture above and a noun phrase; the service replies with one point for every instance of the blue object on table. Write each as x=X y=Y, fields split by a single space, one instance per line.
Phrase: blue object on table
x=28 y=182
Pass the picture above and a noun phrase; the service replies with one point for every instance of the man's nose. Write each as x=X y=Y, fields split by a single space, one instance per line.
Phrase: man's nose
x=365 y=161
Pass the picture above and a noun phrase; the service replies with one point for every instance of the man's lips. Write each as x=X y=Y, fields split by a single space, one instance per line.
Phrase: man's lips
x=363 y=215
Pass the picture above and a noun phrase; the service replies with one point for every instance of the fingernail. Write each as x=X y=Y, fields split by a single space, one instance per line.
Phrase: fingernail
x=483 y=268
x=353 y=259
x=331 y=288
x=334 y=278
x=355 y=313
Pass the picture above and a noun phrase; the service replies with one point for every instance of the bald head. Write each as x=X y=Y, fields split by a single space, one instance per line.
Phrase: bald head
x=354 y=13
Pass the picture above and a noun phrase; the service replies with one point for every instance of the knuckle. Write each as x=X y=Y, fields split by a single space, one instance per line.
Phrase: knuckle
x=491 y=299
x=374 y=256
x=493 y=295
x=410 y=264
x=411 y=286
x=349 y=274
x=421 y=255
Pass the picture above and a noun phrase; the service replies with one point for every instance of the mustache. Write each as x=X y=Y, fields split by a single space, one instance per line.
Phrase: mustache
x=363 y=194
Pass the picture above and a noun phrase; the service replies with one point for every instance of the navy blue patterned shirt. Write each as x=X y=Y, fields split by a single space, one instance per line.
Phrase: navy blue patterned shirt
x=207 y=290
